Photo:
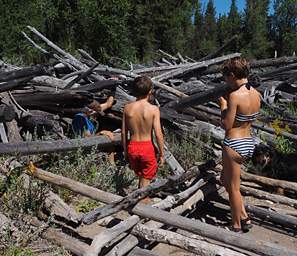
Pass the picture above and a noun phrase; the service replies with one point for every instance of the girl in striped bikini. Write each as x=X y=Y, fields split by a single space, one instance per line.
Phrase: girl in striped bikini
x=238 y=110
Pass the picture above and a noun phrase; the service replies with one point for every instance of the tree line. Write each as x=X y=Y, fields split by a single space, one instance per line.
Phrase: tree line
x=134 y=29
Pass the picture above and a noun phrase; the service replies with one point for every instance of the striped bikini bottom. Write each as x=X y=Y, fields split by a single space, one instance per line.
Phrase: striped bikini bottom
x=243 y=146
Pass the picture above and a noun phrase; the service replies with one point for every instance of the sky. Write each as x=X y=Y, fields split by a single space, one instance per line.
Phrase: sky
x=223 y=6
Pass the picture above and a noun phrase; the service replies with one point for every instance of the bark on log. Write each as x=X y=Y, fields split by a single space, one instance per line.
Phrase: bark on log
x=257 y=64
x=287 y=185
x=108 y=235
x=24 y=72
x=197 y=227
x=247 y=191
x=56 y=206
x=141 y=193
x=69 y=243
x=199 y=247
x=197 y=66
x=40 y=147
x=267 y=215
x=142 y=252
x=14 y=84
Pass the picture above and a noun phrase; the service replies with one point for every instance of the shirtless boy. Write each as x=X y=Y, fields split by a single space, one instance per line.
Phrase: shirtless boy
x=140 y=120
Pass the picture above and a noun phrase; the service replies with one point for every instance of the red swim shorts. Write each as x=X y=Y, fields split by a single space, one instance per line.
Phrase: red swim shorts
x=142 y=158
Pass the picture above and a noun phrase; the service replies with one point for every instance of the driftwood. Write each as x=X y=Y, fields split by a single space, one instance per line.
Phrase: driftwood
x=170 y=201
x=197 y=227
x=290 y=186
x=141 y=193
x=199 y=247
x=104 y=237
x=247 y=191
x=282 y=219
x=69 y=243
x=56 y=206
x=24 y=72
x=142 y=252
x=193 y=67
x=102 y=143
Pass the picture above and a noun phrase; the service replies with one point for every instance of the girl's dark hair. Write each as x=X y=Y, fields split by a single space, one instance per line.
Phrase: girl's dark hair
x=238 y=66
x=142 y=85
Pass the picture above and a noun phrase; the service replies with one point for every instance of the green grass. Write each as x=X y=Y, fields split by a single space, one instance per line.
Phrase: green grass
x=16 y=251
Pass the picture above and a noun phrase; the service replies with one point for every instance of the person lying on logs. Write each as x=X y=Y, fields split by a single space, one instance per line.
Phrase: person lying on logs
x=238 y=112
x=140 y=120
x=85 y=124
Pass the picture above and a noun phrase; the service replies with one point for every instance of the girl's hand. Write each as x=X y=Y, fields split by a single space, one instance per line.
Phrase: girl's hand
x=222 y=101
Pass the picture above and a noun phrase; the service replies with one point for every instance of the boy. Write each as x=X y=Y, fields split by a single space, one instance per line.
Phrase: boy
x=140 y=119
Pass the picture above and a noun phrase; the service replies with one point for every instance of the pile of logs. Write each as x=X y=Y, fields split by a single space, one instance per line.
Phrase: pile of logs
x=42 y=99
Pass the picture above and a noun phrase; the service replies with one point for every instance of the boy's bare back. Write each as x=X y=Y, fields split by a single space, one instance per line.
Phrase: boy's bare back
x=141 y=118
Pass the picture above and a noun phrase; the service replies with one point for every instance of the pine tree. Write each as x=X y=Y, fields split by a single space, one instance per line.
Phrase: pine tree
x=198 y=27
x=256 y=43
x=223 y=29
x=209 y=42
x=284 y=26
x=234 y=21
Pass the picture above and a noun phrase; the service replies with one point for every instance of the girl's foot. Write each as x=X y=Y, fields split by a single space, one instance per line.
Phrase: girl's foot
x=232 y=228
x=246 y=224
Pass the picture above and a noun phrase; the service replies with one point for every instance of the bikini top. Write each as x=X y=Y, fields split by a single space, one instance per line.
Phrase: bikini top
x=246 y=118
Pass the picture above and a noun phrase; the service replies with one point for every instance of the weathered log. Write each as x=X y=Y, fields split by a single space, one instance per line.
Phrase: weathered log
x=14 y=84
x=199 y=247
x=69 y=243
x=24 y=72
x=40 y=147
x=131 y=241
x=108 y=235
x=247 y=191
x=220 y=49
x=98 y=86
x=142 y=252
x=57 y=207
x=197 y=66
x=287 y=185
x=141 y=193
x=49 y=81
x=194 y=226
x=275 y=217
x=63 y=99
x=81 y=76
x=173 y=164
x=257 y=64
x=167 y=55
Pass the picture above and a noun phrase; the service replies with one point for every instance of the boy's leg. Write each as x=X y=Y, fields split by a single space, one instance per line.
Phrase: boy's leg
x=143 y=183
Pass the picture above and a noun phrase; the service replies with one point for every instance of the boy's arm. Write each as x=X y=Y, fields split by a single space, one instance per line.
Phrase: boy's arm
x=159 y=135
x=124 y=135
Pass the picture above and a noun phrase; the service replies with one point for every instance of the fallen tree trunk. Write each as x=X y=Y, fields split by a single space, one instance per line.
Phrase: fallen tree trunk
x=266 y=215
x=193 y=67
x=107 y=235
x=287 y=185
x=141 y=193
x=247 y=191
x=40 y=147
x=57 y=207
x=24 y=72
x=194 y=226
x=69 y=243
x=198 y=247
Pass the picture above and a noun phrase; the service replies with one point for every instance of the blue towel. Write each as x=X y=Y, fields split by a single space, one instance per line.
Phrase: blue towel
x=82 y=123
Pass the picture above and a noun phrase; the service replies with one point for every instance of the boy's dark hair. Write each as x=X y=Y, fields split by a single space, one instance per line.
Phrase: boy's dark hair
x=142 y=85
x=238 y=66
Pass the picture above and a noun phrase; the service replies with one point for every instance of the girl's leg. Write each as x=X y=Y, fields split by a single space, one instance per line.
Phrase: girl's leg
x=232 y=183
